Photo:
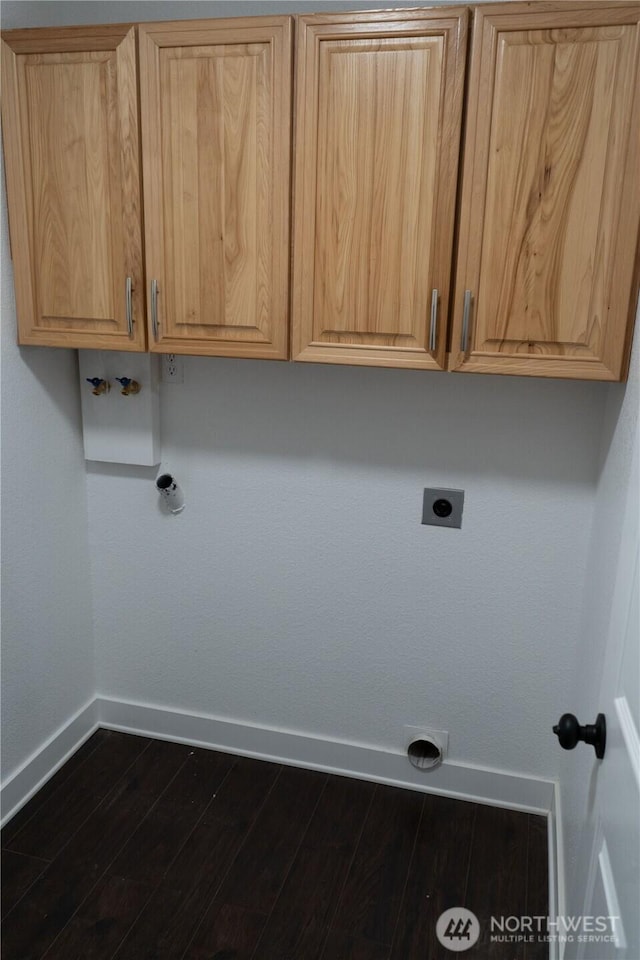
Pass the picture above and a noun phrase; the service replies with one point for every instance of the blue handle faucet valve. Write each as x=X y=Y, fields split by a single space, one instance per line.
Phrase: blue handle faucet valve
x=99 y=385
x=129 y=386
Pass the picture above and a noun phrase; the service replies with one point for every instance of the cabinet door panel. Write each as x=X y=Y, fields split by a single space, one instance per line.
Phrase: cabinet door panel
x=378 y=113
x=71 y=145
x=216 y=154
x=551 y=201
x=373 y=235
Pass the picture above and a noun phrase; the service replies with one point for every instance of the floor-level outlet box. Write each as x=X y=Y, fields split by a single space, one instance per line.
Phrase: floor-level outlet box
x=439 y=737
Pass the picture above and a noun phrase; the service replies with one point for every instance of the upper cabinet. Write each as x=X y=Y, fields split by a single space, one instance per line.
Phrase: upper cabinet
x=548 y=259
x=70 y=130
x=539 y=224
x=216 y=118
x=378 y=110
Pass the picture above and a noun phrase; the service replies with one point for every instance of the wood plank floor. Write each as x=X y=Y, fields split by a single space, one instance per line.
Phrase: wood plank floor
x=139 y=849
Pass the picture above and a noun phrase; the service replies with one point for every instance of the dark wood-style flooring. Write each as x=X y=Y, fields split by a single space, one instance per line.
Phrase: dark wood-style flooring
x=139 y=849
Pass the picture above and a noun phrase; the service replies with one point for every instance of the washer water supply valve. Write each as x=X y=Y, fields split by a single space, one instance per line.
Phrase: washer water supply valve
x=99 y=385
x=129 y=386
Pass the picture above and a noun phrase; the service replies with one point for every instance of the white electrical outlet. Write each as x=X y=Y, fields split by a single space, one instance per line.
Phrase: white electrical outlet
x=172 y=368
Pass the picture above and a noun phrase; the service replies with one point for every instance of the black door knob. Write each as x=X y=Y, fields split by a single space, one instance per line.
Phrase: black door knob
x=569 y=733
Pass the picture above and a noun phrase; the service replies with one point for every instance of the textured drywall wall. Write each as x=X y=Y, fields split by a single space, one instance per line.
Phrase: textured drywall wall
x=299 y=589
x=47 y=650
x=577 y=771
x=44 y=13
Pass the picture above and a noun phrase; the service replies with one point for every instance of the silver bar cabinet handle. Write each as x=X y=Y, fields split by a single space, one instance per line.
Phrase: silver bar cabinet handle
x=128 y=288
x=154 y=307
x=465 y=319
x=433 y=330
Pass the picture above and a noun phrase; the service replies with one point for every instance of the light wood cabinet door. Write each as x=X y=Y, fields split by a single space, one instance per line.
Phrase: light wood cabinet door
x=70 y=131
x=216 y=118
x=378 y=111
x=550 y=206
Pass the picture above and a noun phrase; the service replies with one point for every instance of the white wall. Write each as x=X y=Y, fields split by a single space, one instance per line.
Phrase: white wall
x=45 y=13
x=578 y=767
x=47 y=649
x=299 y=589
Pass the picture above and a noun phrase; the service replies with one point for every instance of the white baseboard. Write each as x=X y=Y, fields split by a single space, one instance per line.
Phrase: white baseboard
x=453 y=779
x=365 y=762
x=43 y=763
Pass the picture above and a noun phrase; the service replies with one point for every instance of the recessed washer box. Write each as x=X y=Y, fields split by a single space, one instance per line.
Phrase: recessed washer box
x=119 y=427
x=442 y=507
